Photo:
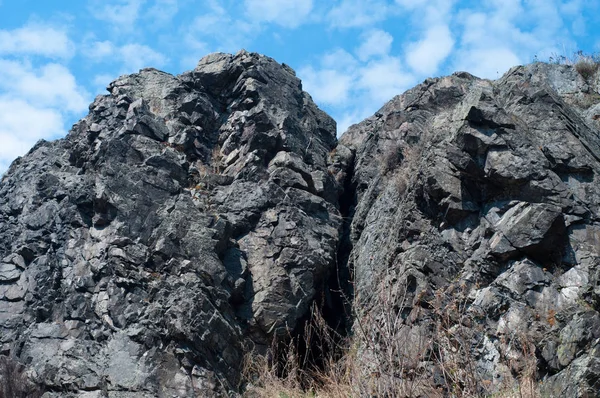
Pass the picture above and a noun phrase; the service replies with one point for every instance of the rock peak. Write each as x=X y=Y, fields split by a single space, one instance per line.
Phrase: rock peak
x=187 y=218
x=183 y=218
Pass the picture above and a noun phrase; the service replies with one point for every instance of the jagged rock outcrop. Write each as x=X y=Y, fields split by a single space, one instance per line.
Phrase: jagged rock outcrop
x=186 y=220
x=190 y=219
x=483 y=220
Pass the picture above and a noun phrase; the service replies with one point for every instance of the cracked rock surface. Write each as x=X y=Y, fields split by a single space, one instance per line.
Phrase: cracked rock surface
x=483 y=195
x=190 y=219
x=184 y=220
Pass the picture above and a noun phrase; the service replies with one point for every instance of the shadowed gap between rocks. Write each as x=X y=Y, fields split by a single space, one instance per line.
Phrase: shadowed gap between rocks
x=317 y=343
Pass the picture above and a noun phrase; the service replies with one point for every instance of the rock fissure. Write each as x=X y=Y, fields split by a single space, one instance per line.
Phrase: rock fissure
x=188 y=218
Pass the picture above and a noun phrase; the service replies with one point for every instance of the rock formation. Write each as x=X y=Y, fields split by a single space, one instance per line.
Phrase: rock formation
x=191 y=219
x=183 y=220
x=482 y=221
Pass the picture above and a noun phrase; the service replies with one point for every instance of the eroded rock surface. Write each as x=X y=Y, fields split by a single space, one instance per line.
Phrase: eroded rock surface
x=483 y=215
x=190 y=219
x=184 y=221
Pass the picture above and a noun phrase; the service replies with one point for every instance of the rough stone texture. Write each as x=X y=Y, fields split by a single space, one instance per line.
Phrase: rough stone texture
x=188 y=219
x=490 y=189
x=185 y=220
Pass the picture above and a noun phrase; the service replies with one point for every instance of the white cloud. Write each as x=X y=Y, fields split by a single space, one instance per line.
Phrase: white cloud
x=384 y=78
x=326 y=86
x=138 y=56
x=505 y=33
x=101 y=81
x=36 y=40
x=347 y=119
x=22 y=124
x=488 y=63
x=375 y=43
x=196 y=49
x=34 y=103
x=339 y=59
x=98 y=50
x=213 y=21
x=349 y=89
x=425 y=56
x=122 y=13
x=51 y=85
x=358 y=13
x=411 y=4
x=215 y=30
x=287 y=13
x=132 y=56
x=163 y=11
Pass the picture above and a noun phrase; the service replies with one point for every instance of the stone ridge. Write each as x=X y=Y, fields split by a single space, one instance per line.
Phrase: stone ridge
x=183 y=220
x=190 y=219
x=487 y=200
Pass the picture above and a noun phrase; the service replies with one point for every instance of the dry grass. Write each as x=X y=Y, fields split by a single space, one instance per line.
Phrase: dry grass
x=14 y=382
x=392 y=157
x=393 y=353
x=586 y=66
x=216 y=157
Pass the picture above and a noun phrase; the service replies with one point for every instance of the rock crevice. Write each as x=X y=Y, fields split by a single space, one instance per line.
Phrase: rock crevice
x=188 y=219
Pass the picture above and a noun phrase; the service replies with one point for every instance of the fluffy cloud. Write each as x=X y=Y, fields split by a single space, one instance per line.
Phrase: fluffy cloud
x=22 y=125
x=326 y=86
x=347 y=119
x=425 y=56
x=99 y=50
x=383 y=79
x=34 y=102
x=431 y=21
x=36 y=40
x=163 y=11
x=138 y=56
x=506 y=33
x=216 y=29
x=287 y=13
x=351 y=89
x=121 y=13
x=375 y=42
x=132 y=57
x=51 y=85
x=358 y=13
x=101 y=81
x=489 y=63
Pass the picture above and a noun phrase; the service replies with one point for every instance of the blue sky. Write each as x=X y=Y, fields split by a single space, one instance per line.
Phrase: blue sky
x=353 y=55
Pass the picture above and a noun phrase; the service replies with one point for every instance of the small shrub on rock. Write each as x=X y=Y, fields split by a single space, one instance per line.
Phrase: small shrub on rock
x=586 y=67
x=392 y=157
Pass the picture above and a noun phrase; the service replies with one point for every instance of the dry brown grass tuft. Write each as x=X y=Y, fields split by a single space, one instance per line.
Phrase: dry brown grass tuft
x=14 y=382
x=586 y=67
x=393 y=353
x=216 y=157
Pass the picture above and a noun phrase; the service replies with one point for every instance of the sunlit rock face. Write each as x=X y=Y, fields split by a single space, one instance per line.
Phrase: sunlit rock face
x=190 y=219
x=487 y=198
x=182 y=222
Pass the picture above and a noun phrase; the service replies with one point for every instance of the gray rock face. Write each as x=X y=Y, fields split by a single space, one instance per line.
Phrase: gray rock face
x=185 y=220
x=486 y=200
x=189 y=219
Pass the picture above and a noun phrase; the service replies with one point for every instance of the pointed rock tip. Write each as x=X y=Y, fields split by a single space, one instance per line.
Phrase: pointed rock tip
x=221 y=60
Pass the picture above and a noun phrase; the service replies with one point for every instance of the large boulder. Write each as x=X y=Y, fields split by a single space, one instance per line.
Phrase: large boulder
x=475 y=224
x=189 y=220
x=186 y=220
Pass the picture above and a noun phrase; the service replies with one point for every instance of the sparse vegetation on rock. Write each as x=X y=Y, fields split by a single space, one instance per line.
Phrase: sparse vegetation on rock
x=14 y=381
x=587 y=66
